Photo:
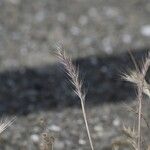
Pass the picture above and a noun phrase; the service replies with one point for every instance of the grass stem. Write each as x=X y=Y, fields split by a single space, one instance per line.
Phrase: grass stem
x=73 y=73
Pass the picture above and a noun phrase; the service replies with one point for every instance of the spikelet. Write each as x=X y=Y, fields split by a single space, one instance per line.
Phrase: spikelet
x=73 y=73
x=128 y=140
x=4 y=124
x=47 y=142
x=135 y=78
x=129 y=132
x=138 y=78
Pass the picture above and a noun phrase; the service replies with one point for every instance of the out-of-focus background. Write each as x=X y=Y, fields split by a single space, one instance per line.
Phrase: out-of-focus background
x=97 y=34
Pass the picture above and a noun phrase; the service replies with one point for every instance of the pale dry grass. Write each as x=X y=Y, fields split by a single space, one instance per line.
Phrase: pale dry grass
x=73 y=73
x=5 y=123
x=47 y=141
x=133 y=137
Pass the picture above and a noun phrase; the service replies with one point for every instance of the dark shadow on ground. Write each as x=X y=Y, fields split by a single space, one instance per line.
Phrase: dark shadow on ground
x=26 y=90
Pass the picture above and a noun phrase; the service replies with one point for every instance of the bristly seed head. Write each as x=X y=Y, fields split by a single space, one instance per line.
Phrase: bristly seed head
x=73 y=73
x=4 y=124
x=136 y=78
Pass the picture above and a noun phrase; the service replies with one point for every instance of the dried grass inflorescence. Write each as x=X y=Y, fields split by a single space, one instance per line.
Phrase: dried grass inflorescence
x=73 y=73
x=138 y=78
x=5 y=123
x=46 y=141
x=128 y=139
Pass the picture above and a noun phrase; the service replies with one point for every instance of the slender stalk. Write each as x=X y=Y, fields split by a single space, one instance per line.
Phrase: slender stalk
x=73 y=73
x=136 y=112
x=140 y=96
x=86 y=124
x=145 y=67
x=138 y=78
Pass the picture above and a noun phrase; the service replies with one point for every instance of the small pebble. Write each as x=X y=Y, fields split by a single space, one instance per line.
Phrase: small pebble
x=82 y=142
x=145 y=30
x=35 y=138
x=107 y=46
x=15 y=2
x=75 y=30
x=116 y=122
x=55 y=128
x=126 y=38
x=98 y=128
x=111 y=12
x=87 y=41
x=40 y=16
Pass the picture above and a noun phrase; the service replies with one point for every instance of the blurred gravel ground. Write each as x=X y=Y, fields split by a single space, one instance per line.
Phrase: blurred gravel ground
x=97 y=33
x=29 y=29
